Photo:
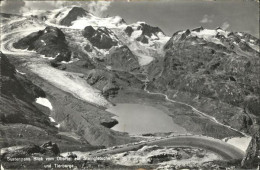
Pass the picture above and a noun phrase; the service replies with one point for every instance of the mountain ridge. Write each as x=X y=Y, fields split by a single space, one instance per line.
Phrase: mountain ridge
x=83 y=61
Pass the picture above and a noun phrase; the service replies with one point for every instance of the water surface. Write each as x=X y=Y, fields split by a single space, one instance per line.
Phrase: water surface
x=140 y=119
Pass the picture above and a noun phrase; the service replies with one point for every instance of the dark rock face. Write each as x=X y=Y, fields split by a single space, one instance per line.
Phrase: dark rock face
x=7 y=69
x=88 y=32
x=142 y=39
x=218 y=72
x=122 y=59
x=109 y=123
x=100 y=38
x=198 y=29
x=50 y=42
x=74 y=13
x=147 y=31
x=14 y=84
x=88 y=48
x=155 y=159
x=17 y=95
x=129 y=31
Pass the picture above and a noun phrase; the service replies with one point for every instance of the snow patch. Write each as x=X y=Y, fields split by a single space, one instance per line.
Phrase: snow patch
x=49 y=58
x=20 y=72
x=240 y=34
x=154 y=37
x=58 y=125
x=51 y=119
x=136 y=34
x=241 y=143
x=71 y=61
x=108 y=67
x=110 y=22
x=57 y=55
x=209 y=35
x=255 y=47
x=43 y=42
x=45 y=102
x=144 y=59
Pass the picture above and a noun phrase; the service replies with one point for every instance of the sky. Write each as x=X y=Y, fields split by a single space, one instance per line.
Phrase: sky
x=169 y=15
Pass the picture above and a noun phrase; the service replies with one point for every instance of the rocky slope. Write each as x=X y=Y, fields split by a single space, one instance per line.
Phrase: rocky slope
x=22 y=121
x=215 y=71
x=17 y=95
x=213 y=65
x=111 y=82
x=147 y=32
x=122 y=58
x=50 y=42
x=218 y=72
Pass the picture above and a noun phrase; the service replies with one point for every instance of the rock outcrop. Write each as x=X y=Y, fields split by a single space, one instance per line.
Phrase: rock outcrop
x=101 y=38
x=17 y=95
x=109 y=83
x=50 y=42
x=147 y=32
x=129 y=30
x=209 y=64
x=109 y=123
x=122 y=58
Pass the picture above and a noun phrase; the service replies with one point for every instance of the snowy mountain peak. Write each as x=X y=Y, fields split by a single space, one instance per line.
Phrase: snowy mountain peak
x=73 y=15
x=232 y=41
x=210 y=35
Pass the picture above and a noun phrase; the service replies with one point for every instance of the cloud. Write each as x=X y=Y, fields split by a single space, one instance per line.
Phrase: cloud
x=98 y=7
x=207 y=19
x=41 y=5
x=225 y=25
x=95 y=7
x=11 y=6
x=19 y=6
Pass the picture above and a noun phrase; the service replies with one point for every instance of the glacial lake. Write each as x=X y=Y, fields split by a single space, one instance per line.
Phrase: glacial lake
x=140 y=119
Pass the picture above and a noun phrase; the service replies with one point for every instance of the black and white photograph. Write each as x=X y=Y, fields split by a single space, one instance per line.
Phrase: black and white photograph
x=129 y=84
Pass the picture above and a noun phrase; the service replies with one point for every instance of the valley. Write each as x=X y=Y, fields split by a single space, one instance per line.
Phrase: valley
x=124 y=87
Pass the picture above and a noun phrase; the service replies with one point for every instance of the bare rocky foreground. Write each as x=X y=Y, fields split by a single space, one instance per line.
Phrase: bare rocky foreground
x=205 y=80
